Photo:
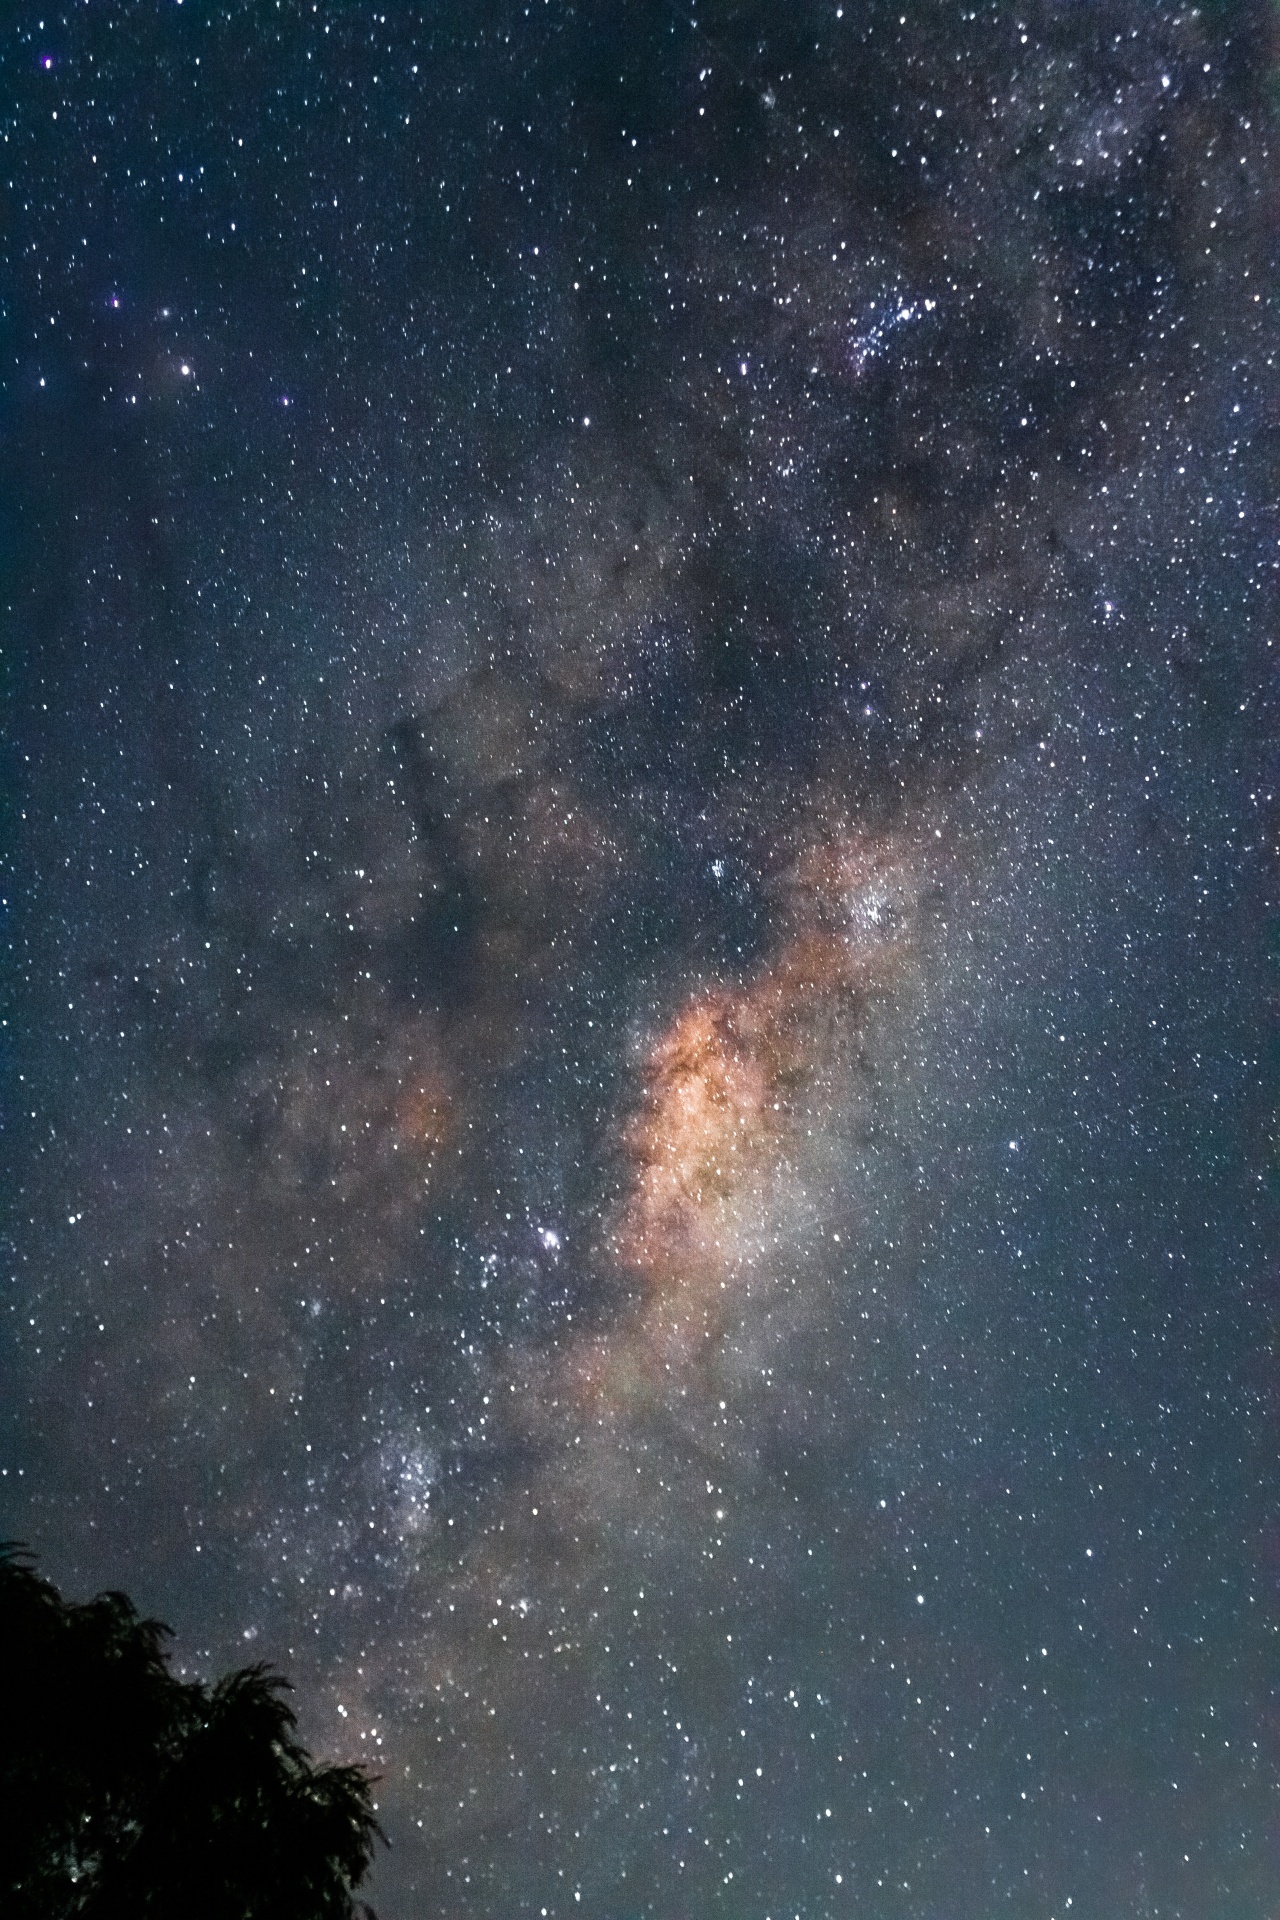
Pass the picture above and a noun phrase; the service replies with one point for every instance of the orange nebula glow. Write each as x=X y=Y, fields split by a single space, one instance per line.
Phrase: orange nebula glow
x=717 y=1151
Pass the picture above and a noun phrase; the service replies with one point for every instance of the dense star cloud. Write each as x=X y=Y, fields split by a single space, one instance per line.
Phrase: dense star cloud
x=639 y=1116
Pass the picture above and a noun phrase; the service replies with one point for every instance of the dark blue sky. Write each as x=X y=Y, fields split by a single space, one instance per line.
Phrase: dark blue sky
x=640 y=1061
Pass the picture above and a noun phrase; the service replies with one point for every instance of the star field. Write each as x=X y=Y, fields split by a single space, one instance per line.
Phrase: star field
x=640 y=1051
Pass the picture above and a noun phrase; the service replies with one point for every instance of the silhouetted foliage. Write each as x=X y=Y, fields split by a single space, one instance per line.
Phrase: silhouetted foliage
x=125 y=1791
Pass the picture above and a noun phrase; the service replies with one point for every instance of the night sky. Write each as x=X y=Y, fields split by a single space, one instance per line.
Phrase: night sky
x=642 y=780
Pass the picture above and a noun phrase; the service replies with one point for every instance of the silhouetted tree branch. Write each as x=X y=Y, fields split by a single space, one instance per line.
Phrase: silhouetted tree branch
x=127 y=1792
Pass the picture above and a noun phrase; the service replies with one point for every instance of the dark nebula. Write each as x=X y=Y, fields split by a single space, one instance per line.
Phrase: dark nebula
x=640 y=1056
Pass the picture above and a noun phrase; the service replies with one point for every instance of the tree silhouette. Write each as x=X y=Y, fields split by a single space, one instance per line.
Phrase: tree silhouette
x=125 y=1791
